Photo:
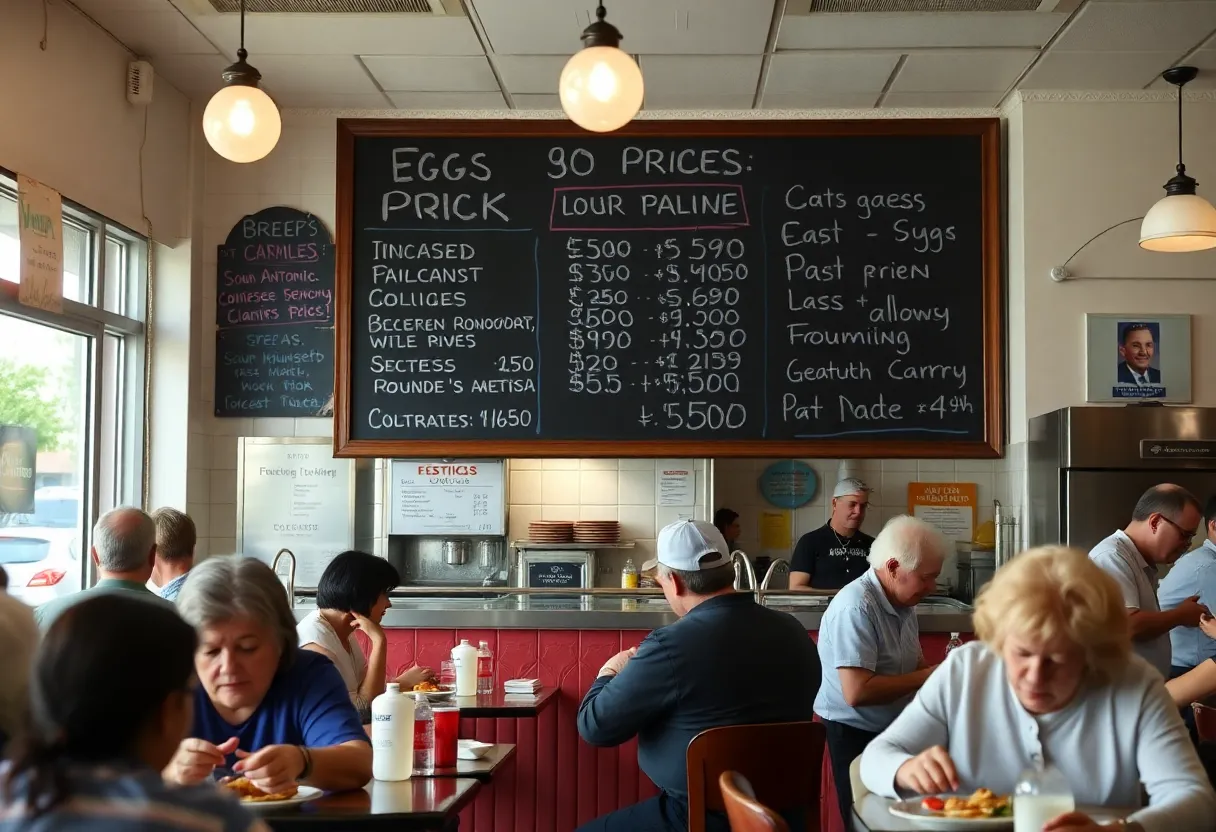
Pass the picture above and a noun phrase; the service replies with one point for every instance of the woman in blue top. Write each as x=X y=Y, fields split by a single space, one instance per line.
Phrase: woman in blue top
x=265 y=709
x=111 y=689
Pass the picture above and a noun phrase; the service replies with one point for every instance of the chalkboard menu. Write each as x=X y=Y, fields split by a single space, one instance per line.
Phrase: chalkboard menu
x=274 y=344
x=677 y=288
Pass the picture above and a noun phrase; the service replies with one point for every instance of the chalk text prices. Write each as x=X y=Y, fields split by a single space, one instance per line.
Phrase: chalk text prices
x=267 y=371
x=447 y=351
x=263 y=283
x=890 y=290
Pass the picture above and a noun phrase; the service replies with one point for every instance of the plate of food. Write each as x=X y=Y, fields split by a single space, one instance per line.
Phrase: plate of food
x=255 y=799
x=433 y=691
x=982 y=809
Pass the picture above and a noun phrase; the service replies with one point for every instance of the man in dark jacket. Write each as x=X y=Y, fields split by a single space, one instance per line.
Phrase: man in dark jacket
x=727 y=661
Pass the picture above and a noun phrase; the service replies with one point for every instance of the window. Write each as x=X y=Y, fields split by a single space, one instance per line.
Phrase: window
x=76 y=377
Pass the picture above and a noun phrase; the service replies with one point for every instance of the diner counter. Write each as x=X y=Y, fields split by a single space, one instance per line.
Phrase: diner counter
x=596 y=609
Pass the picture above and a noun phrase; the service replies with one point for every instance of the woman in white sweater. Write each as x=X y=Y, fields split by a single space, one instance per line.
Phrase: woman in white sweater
x=353 y=595
x=1051 y=681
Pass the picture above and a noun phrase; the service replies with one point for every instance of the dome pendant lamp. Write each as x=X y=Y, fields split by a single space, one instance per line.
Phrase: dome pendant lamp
x=601 y=87
x=1181 y=220
x=241 y=122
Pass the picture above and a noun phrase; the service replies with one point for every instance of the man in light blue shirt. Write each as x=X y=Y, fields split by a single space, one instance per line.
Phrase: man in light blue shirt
x=869 y=644
x=176 y=538
x=1193 y=574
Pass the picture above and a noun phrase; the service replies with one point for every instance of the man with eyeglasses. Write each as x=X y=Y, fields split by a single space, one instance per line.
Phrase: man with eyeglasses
x=1193 y=574
x=1164 y=521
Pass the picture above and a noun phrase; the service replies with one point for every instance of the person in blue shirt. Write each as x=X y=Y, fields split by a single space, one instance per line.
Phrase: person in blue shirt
x=684 y=678
x=1193 y=574
x=176 y=538
x=264 y=709
x=105 y=720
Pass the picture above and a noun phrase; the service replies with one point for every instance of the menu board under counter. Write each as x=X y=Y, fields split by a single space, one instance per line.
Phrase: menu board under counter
x=674 y=288
x=433 y=497
x=292 y=494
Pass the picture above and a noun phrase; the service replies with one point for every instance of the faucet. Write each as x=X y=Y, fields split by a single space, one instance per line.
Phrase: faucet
x=291 y=573
x=744 y=566
x=778 y=565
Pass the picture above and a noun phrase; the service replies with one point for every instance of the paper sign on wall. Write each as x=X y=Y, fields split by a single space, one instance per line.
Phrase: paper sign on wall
x=775 y=532
x=40 y=228
x=947 y=506
x=676 y=486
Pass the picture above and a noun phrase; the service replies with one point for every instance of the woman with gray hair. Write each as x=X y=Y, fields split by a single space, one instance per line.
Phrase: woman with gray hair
x=265 y=709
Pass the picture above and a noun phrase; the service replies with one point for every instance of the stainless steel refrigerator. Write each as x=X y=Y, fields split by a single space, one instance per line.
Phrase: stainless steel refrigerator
x=1087 y=466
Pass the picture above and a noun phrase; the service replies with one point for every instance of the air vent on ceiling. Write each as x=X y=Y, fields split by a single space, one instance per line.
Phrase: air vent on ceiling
x=330 y=6
x=827 y=6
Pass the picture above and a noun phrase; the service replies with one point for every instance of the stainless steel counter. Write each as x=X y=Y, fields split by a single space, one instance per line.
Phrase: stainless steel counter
x=599 y=610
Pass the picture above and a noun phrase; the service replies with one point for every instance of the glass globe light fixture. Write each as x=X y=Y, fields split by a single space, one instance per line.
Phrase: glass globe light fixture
x=601 y=86
x=241 y=122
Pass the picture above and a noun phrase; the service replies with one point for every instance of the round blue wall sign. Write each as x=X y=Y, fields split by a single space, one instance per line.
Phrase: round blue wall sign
x=789 y=483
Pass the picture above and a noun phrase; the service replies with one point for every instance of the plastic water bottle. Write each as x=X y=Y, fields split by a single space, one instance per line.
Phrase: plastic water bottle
x=485 y=669
x=424 y=736
x=464 y=661
x=1041 y=793
x=955 y=641
x=392 y=735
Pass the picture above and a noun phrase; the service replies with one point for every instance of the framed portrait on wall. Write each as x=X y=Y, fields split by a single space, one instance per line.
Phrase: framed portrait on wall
x=1137 y=358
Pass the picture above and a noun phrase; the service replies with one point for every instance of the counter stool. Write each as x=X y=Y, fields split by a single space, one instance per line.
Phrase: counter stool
x=746 y=814
x=782 y=761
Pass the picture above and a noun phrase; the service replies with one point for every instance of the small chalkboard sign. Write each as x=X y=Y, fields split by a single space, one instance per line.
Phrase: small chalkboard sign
x=555 y=574
x=274 y=316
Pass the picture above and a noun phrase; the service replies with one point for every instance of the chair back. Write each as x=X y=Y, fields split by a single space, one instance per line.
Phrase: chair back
x=745 y=813
x=783 y=761
x=1205 y=721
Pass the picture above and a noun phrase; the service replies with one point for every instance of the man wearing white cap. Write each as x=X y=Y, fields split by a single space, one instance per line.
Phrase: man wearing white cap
x=835 y=553
x=684 y=678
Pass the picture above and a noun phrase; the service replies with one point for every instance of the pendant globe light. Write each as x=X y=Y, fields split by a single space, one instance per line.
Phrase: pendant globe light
x=601 y=87
x=1181 y=220
x=241 y=122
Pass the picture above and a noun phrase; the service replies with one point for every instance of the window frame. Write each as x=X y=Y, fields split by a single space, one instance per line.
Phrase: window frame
x=94 y=322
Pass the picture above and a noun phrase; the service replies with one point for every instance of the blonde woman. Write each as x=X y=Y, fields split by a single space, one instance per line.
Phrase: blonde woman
x=1052 y=680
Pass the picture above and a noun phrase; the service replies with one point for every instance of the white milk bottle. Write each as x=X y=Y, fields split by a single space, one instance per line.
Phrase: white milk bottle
x=1042 y=793
x=464 y=660
x=392 y=735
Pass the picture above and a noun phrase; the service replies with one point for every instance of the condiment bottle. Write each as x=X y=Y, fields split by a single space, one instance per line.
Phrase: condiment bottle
x=954 y=642
x=464 y=661
x=629 y=575
x=485 y=669
x=1041 y=793
x=392 y=735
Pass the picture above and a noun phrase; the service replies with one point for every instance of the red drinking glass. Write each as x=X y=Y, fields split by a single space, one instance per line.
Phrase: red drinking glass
x=447 y=730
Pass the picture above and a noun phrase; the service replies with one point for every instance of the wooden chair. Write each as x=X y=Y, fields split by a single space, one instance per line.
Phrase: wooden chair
x=783 y=761
x=745 y=813
x=1205 y=721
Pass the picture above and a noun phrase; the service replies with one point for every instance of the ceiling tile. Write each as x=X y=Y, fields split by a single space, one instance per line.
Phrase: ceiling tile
x=941 y=99
x=1159 y=26
x=431 y=73
x=314 y=73
x=407 y=100
x=813 y=100
x=676 y=100
x=962 y=70
x=670 y=75
x=153 y=33
x=875 y=30
x=829 y=73
x=197 y=76
x=552 y=27
x=323 y=100
x=531 y=101
x=1060 y=70
x=530 y=73
x=345 y=34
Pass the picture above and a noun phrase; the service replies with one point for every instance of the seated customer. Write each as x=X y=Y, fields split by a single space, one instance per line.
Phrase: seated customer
x=683 y=678
x=265 y=709
x=353 y=595
x=18 y=639
x=1053 y=680
x=176 y=538
x=105 y=722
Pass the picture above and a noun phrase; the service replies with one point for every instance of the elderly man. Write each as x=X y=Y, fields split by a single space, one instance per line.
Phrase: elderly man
x=124 y=549
x=869 y=644
x=175 y=541
x=1164 y=522
x=835 y=554
x=685 y=678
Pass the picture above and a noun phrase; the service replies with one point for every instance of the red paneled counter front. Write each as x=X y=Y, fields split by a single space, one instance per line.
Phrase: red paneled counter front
x=558 y=781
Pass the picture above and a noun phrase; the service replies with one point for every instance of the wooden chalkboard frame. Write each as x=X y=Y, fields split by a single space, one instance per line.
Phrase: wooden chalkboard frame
x=992 y=445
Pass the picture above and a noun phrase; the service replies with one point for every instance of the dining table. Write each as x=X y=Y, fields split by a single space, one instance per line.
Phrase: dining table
x=483 y=768
x=420 y=804
x=872 y=813
x=501 y=705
